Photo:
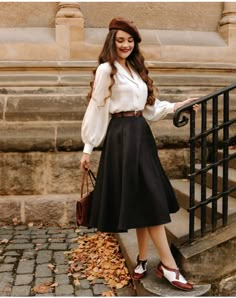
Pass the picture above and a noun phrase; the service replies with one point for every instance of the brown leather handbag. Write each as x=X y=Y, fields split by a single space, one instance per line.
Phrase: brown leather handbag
x=83 y=206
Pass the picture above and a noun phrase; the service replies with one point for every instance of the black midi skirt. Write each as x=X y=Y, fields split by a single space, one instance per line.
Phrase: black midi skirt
x=132 y=189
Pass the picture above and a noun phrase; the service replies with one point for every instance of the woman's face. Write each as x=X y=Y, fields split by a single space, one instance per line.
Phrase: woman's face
x=124 y=44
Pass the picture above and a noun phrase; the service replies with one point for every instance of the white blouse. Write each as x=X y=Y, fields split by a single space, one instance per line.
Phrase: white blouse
x=129 y=93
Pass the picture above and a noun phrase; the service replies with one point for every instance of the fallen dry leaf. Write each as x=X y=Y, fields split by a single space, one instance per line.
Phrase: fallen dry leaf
x=99 y=256
x=51 y=266
x=54 y=285
x=76 y=282
x=42 y=288
x=4 y=241
x=30 y=224
x=15 y=221
x=108 y=293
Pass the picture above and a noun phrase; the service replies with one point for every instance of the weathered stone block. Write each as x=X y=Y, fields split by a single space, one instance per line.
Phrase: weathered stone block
x=64 y=171
x=54 y=207
x=174 y=162
x=76 y=79
x=21 y=174
x=169 y=136
x=1 y=107
x=27 y=137
x=27 y=79
x=49 y=107
x=9 y=209
x=69 y=137
x=227 y=286
x=209 y=258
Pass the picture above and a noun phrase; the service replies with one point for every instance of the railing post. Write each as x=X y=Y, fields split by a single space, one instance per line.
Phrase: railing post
x=192 y=176
x=225 y=157
x=203 y=166
x=214 y=160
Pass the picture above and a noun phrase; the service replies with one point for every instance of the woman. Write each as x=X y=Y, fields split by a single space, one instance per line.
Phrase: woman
x=132 y=190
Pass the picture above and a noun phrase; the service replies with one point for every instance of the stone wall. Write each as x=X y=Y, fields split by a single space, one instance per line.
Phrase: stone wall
x=26 y=14
x=184 y=16
x=196 y=16
x=196 y=31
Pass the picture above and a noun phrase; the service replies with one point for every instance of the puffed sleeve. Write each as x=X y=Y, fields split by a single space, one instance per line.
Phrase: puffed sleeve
x=158 y=111
x=97 y=116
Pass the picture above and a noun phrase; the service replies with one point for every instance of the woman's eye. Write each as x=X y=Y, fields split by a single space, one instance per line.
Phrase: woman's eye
x=122 y=40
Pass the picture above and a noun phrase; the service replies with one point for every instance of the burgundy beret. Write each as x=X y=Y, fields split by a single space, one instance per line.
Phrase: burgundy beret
x=127 y=26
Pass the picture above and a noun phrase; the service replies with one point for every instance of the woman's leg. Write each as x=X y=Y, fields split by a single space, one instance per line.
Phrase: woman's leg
x=158 y=236
x=142 y=237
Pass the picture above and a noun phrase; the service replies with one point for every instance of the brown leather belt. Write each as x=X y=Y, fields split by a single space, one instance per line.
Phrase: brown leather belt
x=127 y=114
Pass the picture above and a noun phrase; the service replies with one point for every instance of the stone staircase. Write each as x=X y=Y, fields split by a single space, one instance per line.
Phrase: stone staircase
x=201 y=261
x=178 y=228
x=41 y=109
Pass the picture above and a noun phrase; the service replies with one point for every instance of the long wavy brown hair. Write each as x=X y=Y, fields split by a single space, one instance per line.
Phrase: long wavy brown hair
x=136 y=60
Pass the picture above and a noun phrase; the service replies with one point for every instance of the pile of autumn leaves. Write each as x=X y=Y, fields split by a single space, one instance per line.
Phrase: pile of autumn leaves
x=98 y=256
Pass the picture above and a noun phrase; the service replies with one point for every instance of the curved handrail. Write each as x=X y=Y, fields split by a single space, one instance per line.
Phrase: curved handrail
x=212 y=132
x=187 y=108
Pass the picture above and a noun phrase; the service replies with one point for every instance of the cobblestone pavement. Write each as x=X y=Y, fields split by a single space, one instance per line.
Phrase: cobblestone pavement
x=24 y=260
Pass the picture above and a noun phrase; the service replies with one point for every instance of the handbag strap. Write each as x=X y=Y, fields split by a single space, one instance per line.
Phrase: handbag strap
x=84 y=180
x=92 y=177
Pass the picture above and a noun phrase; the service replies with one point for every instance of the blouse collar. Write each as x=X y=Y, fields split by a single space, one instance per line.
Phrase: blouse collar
x=134 y=78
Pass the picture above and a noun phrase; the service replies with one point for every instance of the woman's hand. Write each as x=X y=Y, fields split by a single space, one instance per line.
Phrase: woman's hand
x=187 y=101
x=85 y=162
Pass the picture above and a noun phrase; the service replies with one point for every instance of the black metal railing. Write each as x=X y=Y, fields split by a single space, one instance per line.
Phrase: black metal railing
x=211 y=129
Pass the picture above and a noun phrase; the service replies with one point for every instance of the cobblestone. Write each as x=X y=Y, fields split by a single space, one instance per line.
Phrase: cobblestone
x=20 y=291
x=44 y=256
x=62 y=279
x=6 y=267
x=43 y=270
x=64 y=290
x=58 y=246
x=25 y=258
x=84 y=293
x=98 y=289
x=25 y=267
x=10 y=260
x=84 y=284
x=23 y=279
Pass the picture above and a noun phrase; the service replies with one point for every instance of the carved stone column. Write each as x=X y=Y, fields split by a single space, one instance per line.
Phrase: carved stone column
x=69 y=24
x=227 y=23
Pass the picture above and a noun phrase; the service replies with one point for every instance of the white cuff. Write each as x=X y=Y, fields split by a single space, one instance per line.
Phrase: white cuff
x=88 y=148
x=171 y=108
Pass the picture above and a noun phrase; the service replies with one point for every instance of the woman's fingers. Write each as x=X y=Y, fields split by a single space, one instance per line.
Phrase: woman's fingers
x=195 y=107
x=85 y=162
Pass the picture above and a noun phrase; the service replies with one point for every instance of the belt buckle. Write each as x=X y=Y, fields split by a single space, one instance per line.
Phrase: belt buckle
x=136 y=113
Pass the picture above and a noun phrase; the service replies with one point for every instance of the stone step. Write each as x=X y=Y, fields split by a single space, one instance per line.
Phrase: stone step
x=181 y=187
x=232 y=178
x=76 y=75
x=151 y=285
x=65 y=135
x=178 y=228
x=232 y=162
